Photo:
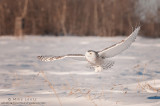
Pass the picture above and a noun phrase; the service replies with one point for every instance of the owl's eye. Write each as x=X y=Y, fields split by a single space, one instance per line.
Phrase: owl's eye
x=90 y=53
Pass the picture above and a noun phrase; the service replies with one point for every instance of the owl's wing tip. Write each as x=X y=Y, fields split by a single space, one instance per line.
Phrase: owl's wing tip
x=40 y=58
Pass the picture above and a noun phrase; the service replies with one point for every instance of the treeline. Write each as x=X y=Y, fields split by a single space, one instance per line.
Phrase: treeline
x=73 y=17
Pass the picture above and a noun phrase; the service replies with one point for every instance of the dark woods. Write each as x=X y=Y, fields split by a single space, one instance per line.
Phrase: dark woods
x=72 y=17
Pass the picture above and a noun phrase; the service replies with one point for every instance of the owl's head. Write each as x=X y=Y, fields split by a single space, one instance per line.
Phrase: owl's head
x=91 y=54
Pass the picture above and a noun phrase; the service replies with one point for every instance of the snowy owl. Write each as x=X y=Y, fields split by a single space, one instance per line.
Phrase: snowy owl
x=99 y=59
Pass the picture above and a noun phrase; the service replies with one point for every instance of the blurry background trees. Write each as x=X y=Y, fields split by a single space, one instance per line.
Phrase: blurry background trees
x=80 y=17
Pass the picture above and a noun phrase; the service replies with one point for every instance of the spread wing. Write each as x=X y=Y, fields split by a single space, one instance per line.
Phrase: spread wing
x=53 y=58
x=119 y=47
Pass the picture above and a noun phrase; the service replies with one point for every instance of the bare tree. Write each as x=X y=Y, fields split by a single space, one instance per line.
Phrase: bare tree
x=19 y=21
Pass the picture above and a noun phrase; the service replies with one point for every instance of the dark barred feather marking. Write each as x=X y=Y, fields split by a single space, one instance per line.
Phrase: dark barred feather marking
x=108 y=64
x=53 y=58
x=47 y=58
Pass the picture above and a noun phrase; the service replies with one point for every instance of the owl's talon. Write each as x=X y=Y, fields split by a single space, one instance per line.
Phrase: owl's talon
x=98 y=69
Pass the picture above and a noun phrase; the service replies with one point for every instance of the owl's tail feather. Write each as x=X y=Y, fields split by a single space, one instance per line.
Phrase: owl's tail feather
x=108 y=64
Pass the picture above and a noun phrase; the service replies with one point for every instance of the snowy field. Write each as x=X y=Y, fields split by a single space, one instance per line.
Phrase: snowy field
x=133 y=80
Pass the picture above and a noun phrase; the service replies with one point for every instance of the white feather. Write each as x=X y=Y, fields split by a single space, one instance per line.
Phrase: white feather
x=119 y=47
x=53 y=58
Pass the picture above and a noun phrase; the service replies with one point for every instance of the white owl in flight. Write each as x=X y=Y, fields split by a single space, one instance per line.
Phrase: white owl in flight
x=99 y=59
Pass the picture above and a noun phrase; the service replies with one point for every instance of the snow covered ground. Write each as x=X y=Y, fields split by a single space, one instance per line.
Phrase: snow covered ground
x=23 y=78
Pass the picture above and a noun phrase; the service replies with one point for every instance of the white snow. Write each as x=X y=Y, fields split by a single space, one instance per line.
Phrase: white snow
x=23 y=76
